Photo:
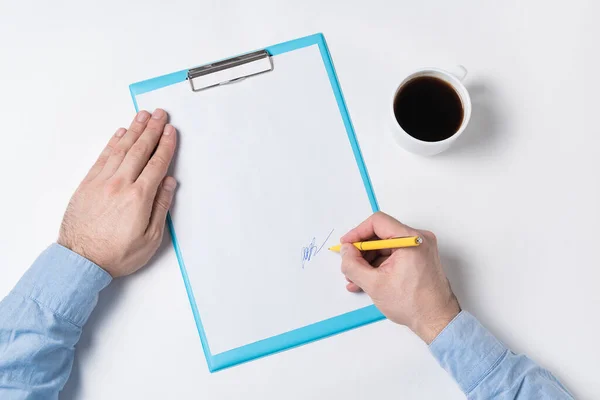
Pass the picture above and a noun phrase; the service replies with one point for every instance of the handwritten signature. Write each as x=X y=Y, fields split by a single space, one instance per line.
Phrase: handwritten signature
x=311 y=250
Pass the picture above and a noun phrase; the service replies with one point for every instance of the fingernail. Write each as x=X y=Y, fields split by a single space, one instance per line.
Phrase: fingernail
x=120 y=132
x=344 y=249
x=142 y=116
x=170 y=185
x=168 y=130
x=158 y=114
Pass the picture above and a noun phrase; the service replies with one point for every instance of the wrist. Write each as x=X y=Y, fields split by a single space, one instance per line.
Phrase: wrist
x=429 y=327
x=80 y=250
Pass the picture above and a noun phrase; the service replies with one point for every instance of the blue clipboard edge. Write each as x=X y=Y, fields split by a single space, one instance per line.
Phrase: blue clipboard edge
x=309 y=333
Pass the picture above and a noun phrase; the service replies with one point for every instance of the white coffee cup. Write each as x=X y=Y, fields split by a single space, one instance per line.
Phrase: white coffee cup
x=414 y=145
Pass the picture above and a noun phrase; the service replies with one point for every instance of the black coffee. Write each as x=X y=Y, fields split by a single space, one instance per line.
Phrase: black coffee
x=428 y=109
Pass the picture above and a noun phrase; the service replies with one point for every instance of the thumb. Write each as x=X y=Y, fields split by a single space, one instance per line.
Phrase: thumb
x=162 y=203
x=356 y=268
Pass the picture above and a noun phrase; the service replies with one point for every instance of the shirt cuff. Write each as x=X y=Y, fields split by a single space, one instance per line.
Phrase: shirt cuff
x=467 y=351
x=65 y=283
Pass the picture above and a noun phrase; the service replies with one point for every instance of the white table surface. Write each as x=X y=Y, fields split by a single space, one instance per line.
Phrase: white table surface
x=514 y=204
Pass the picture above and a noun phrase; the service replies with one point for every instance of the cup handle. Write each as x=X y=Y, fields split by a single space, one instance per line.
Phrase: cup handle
x=459 y=72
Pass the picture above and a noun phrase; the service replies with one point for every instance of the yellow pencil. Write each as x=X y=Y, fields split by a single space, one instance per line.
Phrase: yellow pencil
x=395 y=243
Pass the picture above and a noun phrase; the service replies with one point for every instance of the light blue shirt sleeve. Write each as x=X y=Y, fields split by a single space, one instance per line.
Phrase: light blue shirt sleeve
x=41 y=321
x=42 y=317
x=485 y=369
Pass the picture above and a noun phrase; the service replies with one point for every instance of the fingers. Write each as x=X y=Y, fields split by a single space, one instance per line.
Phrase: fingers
x=356 y=268
x=371 y=255
x=428 y=237
x=162 y=203
x=156 y=168
x=140 y=152
x=378 y=225
x=129 y=138
x=352 y=287
x=103 y=158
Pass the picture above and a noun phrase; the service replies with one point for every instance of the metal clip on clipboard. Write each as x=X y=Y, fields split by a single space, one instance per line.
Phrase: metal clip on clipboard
x=231 y=70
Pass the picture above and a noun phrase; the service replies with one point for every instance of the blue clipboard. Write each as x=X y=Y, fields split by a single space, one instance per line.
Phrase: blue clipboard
x=307 y=333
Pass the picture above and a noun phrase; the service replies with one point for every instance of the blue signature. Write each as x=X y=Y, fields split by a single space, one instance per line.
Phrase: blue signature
x=311 y=250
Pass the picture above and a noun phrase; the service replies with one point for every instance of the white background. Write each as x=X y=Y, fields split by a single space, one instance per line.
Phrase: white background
x=514 y=204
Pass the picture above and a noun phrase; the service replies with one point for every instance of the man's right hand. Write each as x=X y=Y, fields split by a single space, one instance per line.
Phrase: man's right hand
x=407 y=285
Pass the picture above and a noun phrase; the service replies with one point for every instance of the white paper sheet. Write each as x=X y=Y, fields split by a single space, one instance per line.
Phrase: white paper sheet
x=266 y=171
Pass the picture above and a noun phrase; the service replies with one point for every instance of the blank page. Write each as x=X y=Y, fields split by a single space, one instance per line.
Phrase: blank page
x=267 y=181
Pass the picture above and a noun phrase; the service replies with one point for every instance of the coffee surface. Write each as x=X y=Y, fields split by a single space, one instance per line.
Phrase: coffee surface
x=428 y=109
